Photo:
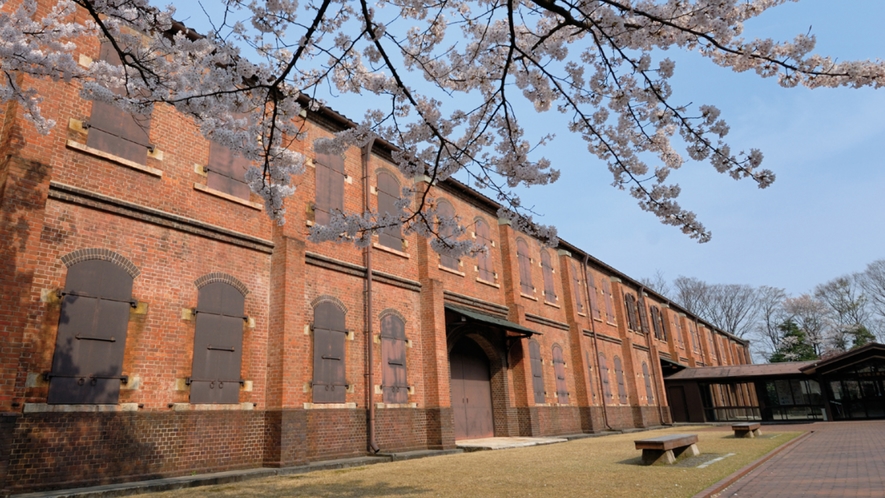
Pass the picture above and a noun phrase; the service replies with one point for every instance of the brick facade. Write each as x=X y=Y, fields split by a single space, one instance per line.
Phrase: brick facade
x=61 y=204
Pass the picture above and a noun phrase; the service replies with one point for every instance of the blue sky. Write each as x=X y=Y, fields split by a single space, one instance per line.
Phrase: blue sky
x=822 y=218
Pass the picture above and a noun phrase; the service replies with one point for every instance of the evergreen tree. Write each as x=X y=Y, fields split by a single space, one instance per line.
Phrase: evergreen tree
x=794 y=344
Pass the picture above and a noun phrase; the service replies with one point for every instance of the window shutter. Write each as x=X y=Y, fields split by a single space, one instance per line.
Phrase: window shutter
x=630 y=306
x=445 y=209
x=619 y=375
x=329 y=187
x=559 y=371
x=594 y=305
x=329 y=384
x=590 y=378
x=395 y=388
x=649 y=392
x=609 y=301
x=606 y=383
x=642 y=314
x=218 y=345
x=88 y=359
x=547 y=271
x=694 y=336
x=537 y=372
x=484 y=259
x=388 y=195
x=227 y=170
x=115 y=131
x=579 y=289
x=525 y=268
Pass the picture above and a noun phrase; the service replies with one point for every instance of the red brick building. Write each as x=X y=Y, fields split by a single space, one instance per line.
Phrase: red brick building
x=155 y=322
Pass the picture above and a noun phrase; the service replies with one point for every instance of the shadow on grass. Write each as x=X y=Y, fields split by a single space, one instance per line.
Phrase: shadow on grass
x=683 y=462
x=349 y=489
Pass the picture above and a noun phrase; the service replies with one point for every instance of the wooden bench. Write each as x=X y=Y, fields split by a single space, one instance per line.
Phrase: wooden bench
x=666 y=449
x=747 y=429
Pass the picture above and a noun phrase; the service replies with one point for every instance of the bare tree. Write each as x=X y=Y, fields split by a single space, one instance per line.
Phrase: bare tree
x=770 y=316
x=873 y=282
x=811 y=315
x=657 y=283
x=848 y=310
x=730 y=307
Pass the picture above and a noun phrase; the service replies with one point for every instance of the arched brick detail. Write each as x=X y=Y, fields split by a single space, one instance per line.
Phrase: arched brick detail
x=391 y=311
x=332 y=299
x=217 y=276
x=81 y=255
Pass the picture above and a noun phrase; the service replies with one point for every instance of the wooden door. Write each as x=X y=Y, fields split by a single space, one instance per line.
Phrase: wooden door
x=471 y=391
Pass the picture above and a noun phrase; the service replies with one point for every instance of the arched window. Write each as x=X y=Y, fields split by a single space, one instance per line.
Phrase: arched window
x=606 y=383
x=619 y=375
x=632 y=312
x=525 y=268
x=547 y=271
x=218 y=344
x=609 y=300
x=677 y=321
x=578 y=288
x=559 y=372
x=88 y=359
x=329 y=384
x=594 y=304
x=394 y=386
x=484 y=259
x=388 y=196
x=590 y=379
x=649 y=392
x=329 y=187
x=537 y=372
x=657 y=321
x=444 y=209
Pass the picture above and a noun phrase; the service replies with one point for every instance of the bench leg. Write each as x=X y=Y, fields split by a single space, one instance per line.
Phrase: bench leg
x=749 y=434
x=651 y=457
x=687 y=451
x=757 y=432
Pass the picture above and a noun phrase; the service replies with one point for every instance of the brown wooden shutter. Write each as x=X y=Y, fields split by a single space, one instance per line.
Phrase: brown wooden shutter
x=445 y=209
x=388 y=195
x=579 y=289
x=88 y=359
x=329 y=384
x=484 y=259
x=115 y=131
x=590 y=378
x=394 y=387
x=525 y=268
x=559 y=372
x=329 y=187
x=630 y=306
x=606 y=382
x=678 y=321
x=537 y=372
x=226 y=171
x=649 y=392
x=609 y=301
x=619 y=375
x=218 y=345
x=547 y=271
x=594 y=304
x=642 y=314
x=693 y=331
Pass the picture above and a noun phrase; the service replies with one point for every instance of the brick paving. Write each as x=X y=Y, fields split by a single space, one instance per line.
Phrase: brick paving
x=840 y=459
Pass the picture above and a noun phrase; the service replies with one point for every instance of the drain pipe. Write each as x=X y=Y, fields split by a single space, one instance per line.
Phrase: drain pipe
x=595 y=344
x=657 y=360
x=370 y=340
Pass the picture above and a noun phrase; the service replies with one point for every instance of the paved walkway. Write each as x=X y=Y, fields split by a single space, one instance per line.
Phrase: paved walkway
x=840 y=459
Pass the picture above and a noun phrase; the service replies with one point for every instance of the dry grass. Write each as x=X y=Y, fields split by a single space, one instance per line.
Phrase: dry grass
x=604 y=467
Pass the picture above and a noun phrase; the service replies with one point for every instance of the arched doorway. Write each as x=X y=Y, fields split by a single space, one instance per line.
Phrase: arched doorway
x=471 y=391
